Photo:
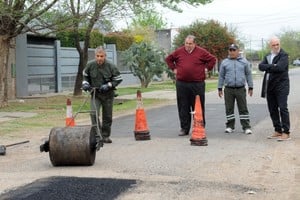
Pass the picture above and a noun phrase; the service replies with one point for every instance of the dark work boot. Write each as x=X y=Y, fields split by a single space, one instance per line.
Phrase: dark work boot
x=107 y=140
x=183 y=133
x=99 y=143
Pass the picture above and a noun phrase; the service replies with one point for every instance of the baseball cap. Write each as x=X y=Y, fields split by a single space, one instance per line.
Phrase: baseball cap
x=233 y=46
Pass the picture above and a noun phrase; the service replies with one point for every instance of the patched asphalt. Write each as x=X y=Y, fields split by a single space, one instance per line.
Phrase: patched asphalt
x=75 y=188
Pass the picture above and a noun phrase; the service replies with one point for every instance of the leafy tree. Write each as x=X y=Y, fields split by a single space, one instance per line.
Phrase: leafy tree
x=253 y=55
x=144 y=24
x=290 y=42
x=86 y=13
x=122 y=40
x=142 y=58
x=21 y=16
x=149 y=18
x=210 y=35
x=146 y=34
x=67 y=38
x=144 y=61
x=97 y=39
x=16 y=17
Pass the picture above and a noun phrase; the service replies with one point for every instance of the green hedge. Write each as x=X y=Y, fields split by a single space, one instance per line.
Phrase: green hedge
x=122 y=40
x=67 y=38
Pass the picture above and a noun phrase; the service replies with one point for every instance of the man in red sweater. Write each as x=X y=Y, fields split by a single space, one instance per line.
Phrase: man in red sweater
x=189 y=64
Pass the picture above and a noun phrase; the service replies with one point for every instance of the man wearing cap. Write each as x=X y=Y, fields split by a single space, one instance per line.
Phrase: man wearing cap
x=234 y=73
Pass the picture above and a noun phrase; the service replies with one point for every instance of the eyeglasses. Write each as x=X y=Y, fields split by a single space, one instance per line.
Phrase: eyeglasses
x=232 y=49
x=274 y=45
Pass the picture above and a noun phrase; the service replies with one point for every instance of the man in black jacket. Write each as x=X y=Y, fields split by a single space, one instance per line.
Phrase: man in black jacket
x=104 y=77
x=275 y=88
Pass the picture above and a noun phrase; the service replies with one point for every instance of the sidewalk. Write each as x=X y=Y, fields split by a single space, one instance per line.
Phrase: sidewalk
x=159 y=94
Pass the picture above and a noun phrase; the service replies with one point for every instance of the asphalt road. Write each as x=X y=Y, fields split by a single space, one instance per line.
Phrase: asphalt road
x=232 y=166
x=163 y=122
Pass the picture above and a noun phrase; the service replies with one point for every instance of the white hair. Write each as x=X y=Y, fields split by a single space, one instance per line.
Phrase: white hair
x=274 y=38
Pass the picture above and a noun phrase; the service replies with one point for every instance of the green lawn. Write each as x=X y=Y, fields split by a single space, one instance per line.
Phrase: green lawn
x=51 y=111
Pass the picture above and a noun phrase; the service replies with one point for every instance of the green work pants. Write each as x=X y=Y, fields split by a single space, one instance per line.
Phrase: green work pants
x=239 y=95
x=104 y=101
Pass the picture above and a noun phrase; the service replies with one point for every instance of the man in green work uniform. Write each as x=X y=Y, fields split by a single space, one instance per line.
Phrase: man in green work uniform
x=101 y=77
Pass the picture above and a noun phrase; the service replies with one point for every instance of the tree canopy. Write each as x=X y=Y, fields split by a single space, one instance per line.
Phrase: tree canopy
x=290 y=42
x=144 y=61
x=21 y=16
x=210 y=35
x=17 y=17
x=149 y=18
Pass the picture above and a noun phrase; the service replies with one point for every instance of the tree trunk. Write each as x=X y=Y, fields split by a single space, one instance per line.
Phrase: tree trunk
x=4 y=55
x=77 y=88
x=83 y=59
x=143 y=83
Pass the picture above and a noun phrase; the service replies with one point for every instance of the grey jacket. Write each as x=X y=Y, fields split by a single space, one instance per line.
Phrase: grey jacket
x=235 y=73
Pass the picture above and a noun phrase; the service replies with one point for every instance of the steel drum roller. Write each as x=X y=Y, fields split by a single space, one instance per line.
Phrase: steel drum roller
x=72 y=146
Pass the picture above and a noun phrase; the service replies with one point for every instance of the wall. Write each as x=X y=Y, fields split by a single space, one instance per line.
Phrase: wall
x=40 y=65
x=47 y=68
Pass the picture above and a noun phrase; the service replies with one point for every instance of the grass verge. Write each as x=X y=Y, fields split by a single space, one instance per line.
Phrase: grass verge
x=51 y=111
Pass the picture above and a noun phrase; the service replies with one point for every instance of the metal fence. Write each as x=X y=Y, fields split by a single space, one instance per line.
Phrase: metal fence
x=48 y=68
x=43 y=66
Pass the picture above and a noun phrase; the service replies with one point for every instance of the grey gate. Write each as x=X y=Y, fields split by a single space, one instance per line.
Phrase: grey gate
x=48 y=68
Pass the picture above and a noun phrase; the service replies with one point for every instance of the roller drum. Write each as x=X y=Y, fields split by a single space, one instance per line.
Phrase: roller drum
x=72 y=146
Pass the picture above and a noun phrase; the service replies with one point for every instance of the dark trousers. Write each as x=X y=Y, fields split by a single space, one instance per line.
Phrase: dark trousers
x=186 y=93
x=239 y=95
x=106 y=102
x=277 y=104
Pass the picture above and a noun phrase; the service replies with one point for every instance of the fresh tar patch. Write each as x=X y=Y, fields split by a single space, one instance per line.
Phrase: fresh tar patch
x=74 y=188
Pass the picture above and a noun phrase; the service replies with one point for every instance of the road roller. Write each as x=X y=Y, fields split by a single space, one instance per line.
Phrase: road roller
x=73 y=145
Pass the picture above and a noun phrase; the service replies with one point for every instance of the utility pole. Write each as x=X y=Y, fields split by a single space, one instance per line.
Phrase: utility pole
x=250 y=53
x=262 y=48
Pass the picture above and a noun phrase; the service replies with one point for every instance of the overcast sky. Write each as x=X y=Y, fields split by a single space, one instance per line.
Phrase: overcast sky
x=256 y=20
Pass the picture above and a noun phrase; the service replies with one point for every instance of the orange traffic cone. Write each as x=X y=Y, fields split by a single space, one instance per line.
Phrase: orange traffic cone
x=70 y=121
x=141 y=131
x=198 y=137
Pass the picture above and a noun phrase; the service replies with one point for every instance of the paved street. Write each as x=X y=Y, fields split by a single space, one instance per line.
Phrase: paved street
x=232 y=166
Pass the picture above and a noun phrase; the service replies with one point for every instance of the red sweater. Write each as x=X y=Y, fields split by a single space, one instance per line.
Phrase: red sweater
x=191 y=66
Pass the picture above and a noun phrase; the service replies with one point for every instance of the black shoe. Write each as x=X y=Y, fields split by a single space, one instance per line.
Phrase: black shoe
x=107 y=140
x=183 y=133
x=99 y=143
